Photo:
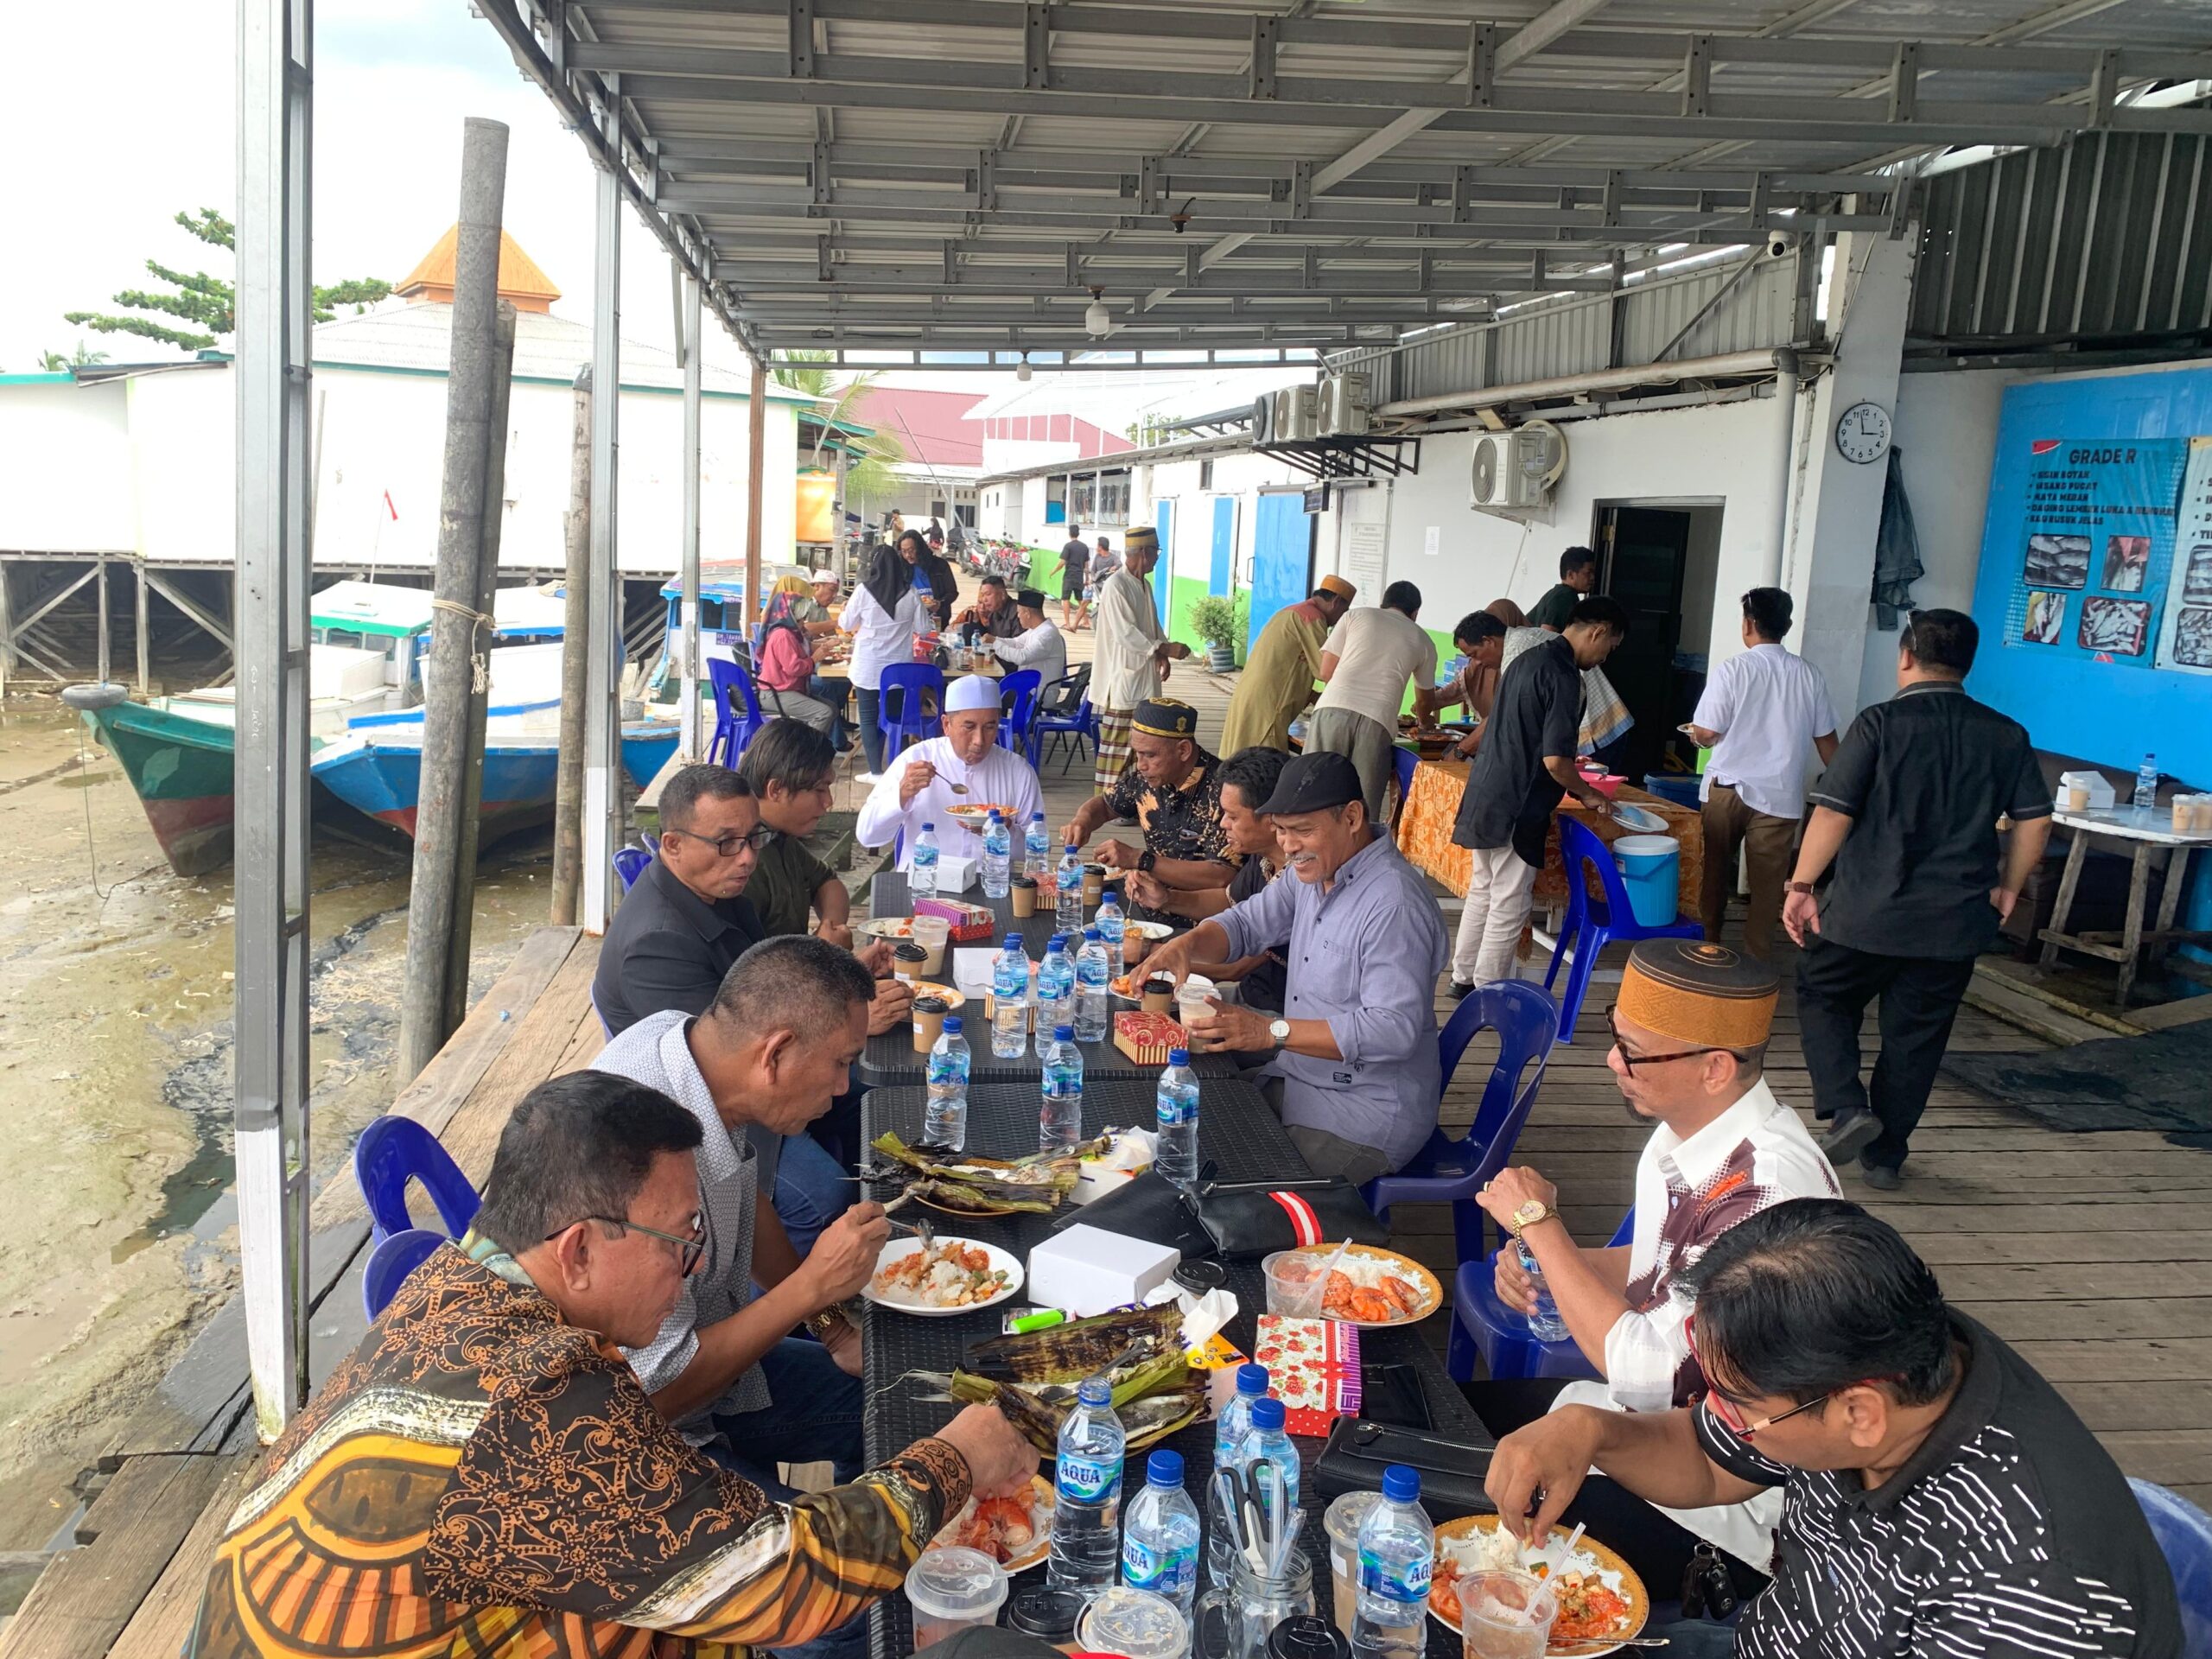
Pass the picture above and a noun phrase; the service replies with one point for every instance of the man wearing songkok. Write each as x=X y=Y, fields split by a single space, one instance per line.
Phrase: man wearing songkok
x=1133 y=651
x=1351 y=1063
x=483 y=1474
x=1690 y=1031
x=1277 y=681
x=1034 y=642
x=1173 y=790
x=917 y=786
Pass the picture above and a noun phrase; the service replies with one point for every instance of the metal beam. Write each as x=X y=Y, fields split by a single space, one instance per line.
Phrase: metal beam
x=602 y=814
x=192 y=608
x=688 y=666
x=275 y=567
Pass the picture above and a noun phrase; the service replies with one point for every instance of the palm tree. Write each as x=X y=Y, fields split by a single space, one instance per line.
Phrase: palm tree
x=872 y=473
x=56 y=363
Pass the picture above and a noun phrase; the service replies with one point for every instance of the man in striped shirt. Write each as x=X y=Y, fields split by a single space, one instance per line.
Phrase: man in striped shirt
x=1939 y=1496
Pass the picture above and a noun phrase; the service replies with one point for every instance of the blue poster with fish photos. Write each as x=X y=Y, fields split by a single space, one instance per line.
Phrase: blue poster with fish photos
x=2096 y=547
x=2185 y=635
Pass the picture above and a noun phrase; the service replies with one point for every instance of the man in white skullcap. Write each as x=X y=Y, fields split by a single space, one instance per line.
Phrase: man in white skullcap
x=915 y=789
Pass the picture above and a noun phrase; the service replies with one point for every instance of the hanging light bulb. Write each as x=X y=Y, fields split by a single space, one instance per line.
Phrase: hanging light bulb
x=1098 y=320
x=1022 y=369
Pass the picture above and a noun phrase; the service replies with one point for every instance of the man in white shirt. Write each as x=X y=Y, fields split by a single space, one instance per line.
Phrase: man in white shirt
x=1690 y=1030
x=1371 y=654
x=1760 y=712
x=1133 y=655
x=1040 y=645
x=916 y=788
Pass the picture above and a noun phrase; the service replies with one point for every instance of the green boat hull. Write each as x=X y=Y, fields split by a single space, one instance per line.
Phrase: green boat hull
x=182 y=770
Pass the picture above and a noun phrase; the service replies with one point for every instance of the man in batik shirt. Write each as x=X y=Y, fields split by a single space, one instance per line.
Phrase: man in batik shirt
x=1690 y=1030
x=485 y=1475
x=1172 y=789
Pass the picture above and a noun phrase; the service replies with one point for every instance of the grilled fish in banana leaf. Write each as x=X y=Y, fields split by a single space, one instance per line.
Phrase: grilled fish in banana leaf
x=1038 y=1183
x=1067 y=1353
x=1152 y=1408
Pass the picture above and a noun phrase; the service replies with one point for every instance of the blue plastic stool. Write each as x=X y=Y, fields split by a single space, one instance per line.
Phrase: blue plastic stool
x=1023 y=687
x=733 y=731
x=392 y=1152
x=1452 y=1171
x=390 y=1263
x=1483 y=1324
x=1591 y=926
x=911 y=723
x=2185 y=1536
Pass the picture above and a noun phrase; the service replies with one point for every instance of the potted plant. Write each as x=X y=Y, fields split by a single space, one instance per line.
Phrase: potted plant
x=1213 y=618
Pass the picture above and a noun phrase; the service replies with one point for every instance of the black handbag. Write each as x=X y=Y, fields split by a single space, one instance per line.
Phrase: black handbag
x=1250 y=1218
x=1144 y=1207
x=1451 y=1471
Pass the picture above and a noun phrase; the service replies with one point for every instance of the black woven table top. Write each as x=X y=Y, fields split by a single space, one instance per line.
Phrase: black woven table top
x=888 y=896
x=890 y=1060
x=1242 y=1136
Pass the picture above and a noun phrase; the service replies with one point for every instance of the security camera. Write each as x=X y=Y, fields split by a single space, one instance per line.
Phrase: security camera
x=1779 y=242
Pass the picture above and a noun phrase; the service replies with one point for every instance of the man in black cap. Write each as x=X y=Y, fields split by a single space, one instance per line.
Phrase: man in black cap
x=1173 y=788
x=1355 y=1071
x=1033 y=642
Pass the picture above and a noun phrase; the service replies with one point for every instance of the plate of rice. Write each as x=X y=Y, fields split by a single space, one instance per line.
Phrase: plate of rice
x=949 y=1275
x=1602 y=1603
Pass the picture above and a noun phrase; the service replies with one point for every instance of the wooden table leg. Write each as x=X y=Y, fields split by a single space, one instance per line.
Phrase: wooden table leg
x=2077 y=850
x=2139 y=888
x=2169 y=903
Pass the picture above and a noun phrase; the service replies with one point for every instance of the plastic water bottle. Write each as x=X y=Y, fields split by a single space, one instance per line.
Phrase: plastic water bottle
x=998 y=857
x=1087 y=1475
x=1397 y=1554
x=1092 y=973
x=1059 y=1125
x=1069 y=881
x=1176 y=1157
x=1037 y=851
x=1113 y=927
x=1266 y=1441
x=944 y=1118
x=2146 y=785
x=921 y=867
x=1545 y=1324
x=1229 y=1432
x=1056 y=985
x=1010 y=1002
x=1159 y=1539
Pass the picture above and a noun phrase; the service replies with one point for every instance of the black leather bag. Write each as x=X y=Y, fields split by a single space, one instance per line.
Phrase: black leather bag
x=1146 y=1207
x=1250 y=1218
x=1451 y=1471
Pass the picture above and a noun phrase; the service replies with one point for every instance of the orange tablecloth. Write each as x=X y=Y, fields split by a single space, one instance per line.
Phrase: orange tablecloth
x=1433 y=805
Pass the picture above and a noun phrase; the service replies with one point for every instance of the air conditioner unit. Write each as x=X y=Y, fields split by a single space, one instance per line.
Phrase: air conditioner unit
x=1297 y=414
x=1347 y=405
x=1514 y=472
x=1263 y=418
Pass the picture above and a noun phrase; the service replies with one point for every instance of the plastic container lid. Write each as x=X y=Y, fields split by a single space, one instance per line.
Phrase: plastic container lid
x=1048 y=1614
x=1401 y=1484
x=1092 y=936
x=912 y=953
x=956 y=1583
x=1013 y=942
x=1024 y=880
x=1064 y=1034
x=1307 y=1638
x=1342 y=1523
x=1266 y=1412
x=1178 y=1057
x=1646 y=846
x=951 y=1020
x=1137 y=1623
x=1251 y=1379
x=929 y=829
x=1164 y=1469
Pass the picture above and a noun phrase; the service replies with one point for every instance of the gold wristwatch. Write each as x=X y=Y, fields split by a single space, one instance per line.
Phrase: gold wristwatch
x=1527 y=1216
x=826 y=1324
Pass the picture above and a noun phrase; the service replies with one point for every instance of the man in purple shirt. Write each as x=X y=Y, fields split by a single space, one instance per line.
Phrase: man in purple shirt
x=1354 y=1071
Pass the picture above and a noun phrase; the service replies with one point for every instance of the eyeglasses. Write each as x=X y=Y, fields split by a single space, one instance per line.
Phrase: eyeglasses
x=1630 y=1062
x=688 y=1249
x=727 y=846
x=1731 y=1415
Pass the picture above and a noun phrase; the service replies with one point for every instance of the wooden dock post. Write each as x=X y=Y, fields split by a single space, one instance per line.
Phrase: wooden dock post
x=575 y=640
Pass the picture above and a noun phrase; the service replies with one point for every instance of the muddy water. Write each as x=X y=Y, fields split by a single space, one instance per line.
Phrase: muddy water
x=116 y=1234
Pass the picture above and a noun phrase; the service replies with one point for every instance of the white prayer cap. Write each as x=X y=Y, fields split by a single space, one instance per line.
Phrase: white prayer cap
x=824 y=574
x=970 y=692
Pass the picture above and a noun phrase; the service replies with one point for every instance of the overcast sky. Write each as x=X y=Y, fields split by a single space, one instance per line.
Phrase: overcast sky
x=122 y=132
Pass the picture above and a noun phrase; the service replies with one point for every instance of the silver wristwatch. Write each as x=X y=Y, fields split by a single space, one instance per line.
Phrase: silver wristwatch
x=1279 y=1029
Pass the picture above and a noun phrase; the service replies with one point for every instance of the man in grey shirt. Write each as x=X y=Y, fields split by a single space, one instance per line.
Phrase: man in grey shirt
x=764 y=1061
x=1355 y=1072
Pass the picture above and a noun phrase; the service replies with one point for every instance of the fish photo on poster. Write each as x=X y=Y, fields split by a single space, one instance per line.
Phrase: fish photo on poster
x=2046 y=623
x=2197 y=578
x=2057 y=562
x=2192 y=646
x=2122 y=627
x=2127 y=563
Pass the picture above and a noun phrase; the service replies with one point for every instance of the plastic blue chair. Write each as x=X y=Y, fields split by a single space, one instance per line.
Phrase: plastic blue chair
x=1591 y=926
x=1483 y=1324
x=630 y=863
x=1452 y=1171
x=390 y=1263
x=733 y=730
x=912 y=722
x=1402 y=762
x=1064 y=712
x=395 y=1150
x=2185 y=1536
x=1018 y=694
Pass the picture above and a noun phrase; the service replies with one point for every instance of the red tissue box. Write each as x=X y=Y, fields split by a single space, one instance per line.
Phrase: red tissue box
x=969 y=921
x=1313 y=1368
x=1146 y=1038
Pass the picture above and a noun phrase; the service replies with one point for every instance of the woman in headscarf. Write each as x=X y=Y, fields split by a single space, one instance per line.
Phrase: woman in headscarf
x=933 y=570
x=783 y=660
x=883 y=616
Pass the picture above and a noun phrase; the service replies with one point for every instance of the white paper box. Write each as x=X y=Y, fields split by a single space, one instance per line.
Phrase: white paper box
x=1087 y=1270
x=955 y=874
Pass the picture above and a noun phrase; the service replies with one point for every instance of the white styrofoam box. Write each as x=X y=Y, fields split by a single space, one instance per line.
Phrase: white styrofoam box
x=955 y=874
x=1087 y=1270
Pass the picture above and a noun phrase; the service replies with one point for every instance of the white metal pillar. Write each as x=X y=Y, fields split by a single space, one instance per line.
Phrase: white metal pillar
x=270 y=1004
x=603 y=684
x=687 y=691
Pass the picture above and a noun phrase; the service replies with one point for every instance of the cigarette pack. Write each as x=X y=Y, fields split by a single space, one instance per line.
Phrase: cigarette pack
x=1313 y=1368
x=1146 y=1038
x=969 y=921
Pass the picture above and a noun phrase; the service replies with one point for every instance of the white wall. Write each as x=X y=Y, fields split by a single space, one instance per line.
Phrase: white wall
x=384 y=432
x=59 y=433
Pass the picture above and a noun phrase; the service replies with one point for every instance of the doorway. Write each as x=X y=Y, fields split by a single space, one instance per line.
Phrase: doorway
x=1659 y=559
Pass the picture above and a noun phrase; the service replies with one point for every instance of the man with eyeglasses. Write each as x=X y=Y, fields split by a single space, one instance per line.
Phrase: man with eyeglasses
x=1690 y=1031
x=1937 y=1496
x=484 y=1475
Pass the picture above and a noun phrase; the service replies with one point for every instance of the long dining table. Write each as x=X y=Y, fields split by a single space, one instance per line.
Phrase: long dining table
x=1242 y=1139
